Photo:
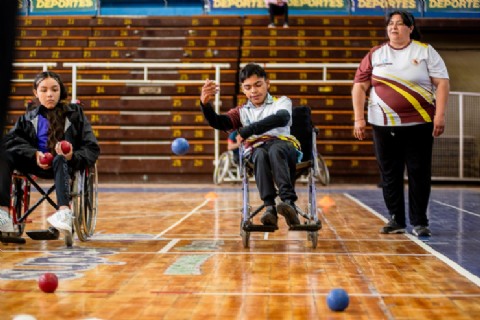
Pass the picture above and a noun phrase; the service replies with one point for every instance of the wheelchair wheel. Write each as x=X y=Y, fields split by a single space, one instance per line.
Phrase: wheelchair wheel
x=321 y=171
x=221 y=168
x=19 y=200
x=85 y=202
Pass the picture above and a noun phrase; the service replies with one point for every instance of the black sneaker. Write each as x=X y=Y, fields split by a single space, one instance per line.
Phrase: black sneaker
x=421 y=231
x=269 y=217
x=392 y=227
x=289 y=211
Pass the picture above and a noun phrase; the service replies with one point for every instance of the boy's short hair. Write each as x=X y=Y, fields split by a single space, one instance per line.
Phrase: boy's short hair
x=250 y=70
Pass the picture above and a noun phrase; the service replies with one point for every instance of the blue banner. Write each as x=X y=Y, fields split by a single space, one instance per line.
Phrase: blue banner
x=383 y=7
x=452 y=8
x=294 y=6
x=65 y=7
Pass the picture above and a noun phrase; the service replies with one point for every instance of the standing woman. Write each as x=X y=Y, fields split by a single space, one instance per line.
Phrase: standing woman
x=39 y=131
x=408 y=86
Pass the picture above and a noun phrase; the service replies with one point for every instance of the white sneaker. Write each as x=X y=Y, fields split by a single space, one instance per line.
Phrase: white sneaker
x=271 y=25
x=62 y=220
x=6 y=224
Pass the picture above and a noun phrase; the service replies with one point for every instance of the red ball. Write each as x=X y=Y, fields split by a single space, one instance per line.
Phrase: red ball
x=48 y=282
x=47 y=158
x=66 y=146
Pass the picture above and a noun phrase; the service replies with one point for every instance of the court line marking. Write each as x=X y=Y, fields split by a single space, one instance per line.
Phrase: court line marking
x=322 y=294
x=169 y=246
x=182 y=219
x=256 y=253
x=455 y=266
x=457 y=208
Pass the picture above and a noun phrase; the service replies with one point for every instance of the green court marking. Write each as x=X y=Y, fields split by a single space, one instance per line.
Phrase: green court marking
x=202 y=245
x=187 y=265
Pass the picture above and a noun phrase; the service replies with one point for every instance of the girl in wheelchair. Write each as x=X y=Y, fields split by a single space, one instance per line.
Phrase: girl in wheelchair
x=39 y=131
x=263 y=126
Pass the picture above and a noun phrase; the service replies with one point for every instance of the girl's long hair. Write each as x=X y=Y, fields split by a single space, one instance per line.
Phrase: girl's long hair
x=56 y=116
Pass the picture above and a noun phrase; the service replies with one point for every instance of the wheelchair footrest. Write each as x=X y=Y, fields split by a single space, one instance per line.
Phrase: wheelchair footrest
x=306 y=227
x=49 y=234
x=11 y=239
x=249 y=227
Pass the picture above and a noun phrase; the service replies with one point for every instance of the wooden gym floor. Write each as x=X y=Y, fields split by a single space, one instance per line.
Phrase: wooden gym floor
x=174 y=252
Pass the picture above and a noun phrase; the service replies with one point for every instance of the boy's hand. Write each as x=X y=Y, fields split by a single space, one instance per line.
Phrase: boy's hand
x=209 y=90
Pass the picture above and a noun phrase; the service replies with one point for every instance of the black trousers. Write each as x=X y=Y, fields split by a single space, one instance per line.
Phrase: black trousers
x=395 y=149
x=274 y=164
x=60 y=172
x=275 y=10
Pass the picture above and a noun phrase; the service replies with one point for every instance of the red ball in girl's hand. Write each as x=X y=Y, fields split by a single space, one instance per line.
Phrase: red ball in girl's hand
x=66 y=146
x=46 y=159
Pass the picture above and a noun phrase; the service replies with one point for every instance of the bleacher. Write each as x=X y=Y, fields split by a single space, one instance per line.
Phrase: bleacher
x=135 y=123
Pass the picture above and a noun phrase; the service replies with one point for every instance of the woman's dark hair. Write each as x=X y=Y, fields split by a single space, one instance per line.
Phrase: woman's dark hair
x=250 y=70
x=408 y=20
x=55 y=116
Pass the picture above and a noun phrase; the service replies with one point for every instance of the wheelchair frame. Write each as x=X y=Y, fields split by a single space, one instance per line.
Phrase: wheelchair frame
x=84 y=205
x=314 y=169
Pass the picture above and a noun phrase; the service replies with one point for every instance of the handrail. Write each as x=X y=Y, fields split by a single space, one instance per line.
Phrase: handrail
x=43 y=65
x=146 y=67
x=323 y=66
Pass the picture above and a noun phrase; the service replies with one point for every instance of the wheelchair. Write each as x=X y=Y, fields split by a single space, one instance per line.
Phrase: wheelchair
x=312 y=167
x=226 y=170
x=84 y=205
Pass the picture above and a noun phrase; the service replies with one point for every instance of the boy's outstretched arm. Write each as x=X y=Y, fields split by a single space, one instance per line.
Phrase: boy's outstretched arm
x=216 y=121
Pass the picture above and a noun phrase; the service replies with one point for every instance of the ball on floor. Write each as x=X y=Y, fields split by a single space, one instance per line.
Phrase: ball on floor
x=48 y=282
x=337 y=299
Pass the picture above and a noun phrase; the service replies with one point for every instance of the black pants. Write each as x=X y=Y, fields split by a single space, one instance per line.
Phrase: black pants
x=275 y=10
x=59 y=171
x=395 y=148
x=274 y=164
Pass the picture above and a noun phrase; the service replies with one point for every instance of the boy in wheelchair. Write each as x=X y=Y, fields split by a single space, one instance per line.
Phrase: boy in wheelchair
x=263 y=126
x=39 y=131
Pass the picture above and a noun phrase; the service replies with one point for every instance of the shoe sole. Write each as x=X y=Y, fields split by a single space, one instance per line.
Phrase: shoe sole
x=288 y=213
x=421 y=234
x=269 y=220
x=399 y=231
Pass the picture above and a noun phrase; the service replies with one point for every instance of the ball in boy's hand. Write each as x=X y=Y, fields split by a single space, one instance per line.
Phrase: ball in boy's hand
x=66 y=146
x=180 y=146
x=46 y=159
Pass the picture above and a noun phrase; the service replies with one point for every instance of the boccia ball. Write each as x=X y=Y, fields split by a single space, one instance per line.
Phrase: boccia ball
x=66 y=147
x=48 y=282
x=337 y=299
x=180 y=146
x=47 y=158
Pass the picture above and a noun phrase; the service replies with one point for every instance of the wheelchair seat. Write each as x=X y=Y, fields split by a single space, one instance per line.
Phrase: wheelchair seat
x=84 y=206
x=312 y=167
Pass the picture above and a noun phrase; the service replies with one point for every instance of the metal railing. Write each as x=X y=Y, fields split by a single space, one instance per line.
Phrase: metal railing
x=456 y=153
x=146 y=67
x=44 y=65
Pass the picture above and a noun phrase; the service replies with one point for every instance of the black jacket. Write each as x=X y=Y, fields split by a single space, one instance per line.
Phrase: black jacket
x=22 y=138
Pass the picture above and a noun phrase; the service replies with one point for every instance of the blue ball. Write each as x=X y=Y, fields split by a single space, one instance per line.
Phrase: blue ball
x=180 y=146
x=337 y=299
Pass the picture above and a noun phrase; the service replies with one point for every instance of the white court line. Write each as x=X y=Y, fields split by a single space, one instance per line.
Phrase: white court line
x=251 y=253
x=169 y=246
x=457 y=208
x=308 y=294
x=455 y=266
x=181 y=220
